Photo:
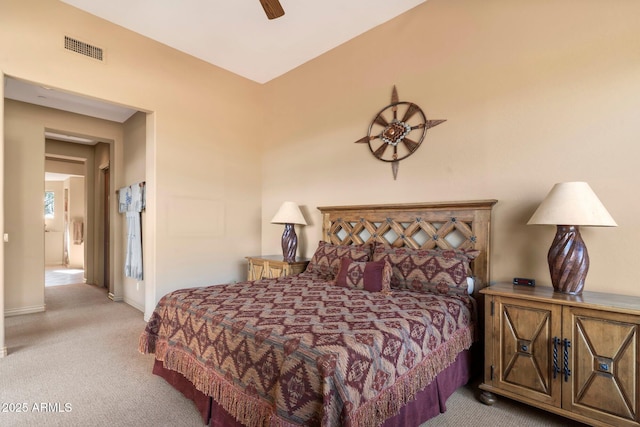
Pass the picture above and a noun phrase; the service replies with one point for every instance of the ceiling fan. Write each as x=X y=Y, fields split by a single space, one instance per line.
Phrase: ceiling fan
x=272 y=8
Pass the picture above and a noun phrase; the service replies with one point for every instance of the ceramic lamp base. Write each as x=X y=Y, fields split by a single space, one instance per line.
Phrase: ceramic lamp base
x=568 y=260
x=289 y=243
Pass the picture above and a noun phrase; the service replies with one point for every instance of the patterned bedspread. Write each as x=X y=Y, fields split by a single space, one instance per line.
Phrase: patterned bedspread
x=302 y=351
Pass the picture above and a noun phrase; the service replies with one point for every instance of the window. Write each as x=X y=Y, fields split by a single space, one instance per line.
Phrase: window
x=49 y=200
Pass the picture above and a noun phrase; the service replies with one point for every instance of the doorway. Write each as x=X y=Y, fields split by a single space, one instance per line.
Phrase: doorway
x=81 y=166
x=65 y=214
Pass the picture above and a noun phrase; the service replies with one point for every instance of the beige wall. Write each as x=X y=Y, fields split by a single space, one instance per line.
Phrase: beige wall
x=24 y=284
x=77 y=213
x=71 y=167
x=534 y=93
x=3 y=347
x=203 y=173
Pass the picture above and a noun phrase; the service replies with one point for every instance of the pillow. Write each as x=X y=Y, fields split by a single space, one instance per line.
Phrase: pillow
x=471 y=284
x=442 y=271
x=326 y=259
x=370 y=276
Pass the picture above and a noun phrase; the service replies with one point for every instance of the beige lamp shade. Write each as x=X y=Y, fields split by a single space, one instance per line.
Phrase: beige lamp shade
x=572 y=203
x=289 y=213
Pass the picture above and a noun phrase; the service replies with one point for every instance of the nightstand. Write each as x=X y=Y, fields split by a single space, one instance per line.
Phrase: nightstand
x=273 y=266
x=576 y=356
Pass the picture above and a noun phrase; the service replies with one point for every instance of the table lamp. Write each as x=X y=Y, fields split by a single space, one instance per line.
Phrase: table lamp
x=568 y=206
x=289 y=214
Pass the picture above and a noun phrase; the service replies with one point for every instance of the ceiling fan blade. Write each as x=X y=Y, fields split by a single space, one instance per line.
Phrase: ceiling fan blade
x=272 y=8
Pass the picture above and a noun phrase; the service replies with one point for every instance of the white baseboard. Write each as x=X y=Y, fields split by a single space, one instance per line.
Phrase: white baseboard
x=134 y=304
x=3 y=352
x=24 y=310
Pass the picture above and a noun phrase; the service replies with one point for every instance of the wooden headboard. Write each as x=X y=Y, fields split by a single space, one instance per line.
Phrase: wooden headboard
x=445 y=225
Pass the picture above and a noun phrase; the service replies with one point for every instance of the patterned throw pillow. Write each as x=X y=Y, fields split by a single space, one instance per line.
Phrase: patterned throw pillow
x=434 y=270
x=326 y=259
x=370 y=276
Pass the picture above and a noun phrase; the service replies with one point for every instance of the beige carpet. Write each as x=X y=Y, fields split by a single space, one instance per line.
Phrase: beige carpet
x=463 y=409
x=83 y=353
x=77 y=364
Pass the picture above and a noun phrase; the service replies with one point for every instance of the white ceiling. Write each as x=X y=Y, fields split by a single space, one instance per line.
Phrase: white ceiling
x=232 y=34
x=26 y=92
x=236 y=34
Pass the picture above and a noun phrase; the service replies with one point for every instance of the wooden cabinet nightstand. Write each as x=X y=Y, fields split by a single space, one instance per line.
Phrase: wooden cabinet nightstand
x=272 y=266
x=576 y=356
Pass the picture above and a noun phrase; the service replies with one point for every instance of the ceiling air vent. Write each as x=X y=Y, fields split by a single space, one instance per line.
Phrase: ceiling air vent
x=83 y=48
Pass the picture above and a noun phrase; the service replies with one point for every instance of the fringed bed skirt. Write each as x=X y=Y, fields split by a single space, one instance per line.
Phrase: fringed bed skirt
x=429 y=402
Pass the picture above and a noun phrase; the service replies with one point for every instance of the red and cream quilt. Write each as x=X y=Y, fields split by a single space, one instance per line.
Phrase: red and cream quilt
x=303 y=351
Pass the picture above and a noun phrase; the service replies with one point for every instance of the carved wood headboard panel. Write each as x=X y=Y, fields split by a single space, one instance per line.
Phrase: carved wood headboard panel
x=445 y=225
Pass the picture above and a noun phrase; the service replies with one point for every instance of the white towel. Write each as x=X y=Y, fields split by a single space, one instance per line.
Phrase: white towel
x=124 y=199
x=137 y=197
x=133 y=260
x=78 y=232
x=131 y=200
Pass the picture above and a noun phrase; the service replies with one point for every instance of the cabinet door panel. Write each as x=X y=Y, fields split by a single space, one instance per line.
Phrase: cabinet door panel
x=604 y=379
x=276 y=271
x=526 y=332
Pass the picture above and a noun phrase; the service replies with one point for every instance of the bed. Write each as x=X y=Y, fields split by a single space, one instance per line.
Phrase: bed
x=378 y=330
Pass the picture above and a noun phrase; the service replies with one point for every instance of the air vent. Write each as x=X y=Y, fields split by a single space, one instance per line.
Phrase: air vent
x=83 y=48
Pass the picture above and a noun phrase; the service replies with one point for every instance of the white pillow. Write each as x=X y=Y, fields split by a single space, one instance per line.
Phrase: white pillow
x=470 y=285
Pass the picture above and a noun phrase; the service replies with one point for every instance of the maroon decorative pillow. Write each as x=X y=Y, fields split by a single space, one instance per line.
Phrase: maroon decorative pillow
x=326 y=259
x=370 y=276
x=433 y=270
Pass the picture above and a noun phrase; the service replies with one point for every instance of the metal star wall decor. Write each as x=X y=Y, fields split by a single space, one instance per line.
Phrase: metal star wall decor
x=392 y=139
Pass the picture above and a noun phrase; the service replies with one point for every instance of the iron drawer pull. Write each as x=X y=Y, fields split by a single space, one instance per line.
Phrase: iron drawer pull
x=566 y=369
x=556 y=369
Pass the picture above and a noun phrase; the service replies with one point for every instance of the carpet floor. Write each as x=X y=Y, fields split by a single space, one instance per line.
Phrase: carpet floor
x=77 y=364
